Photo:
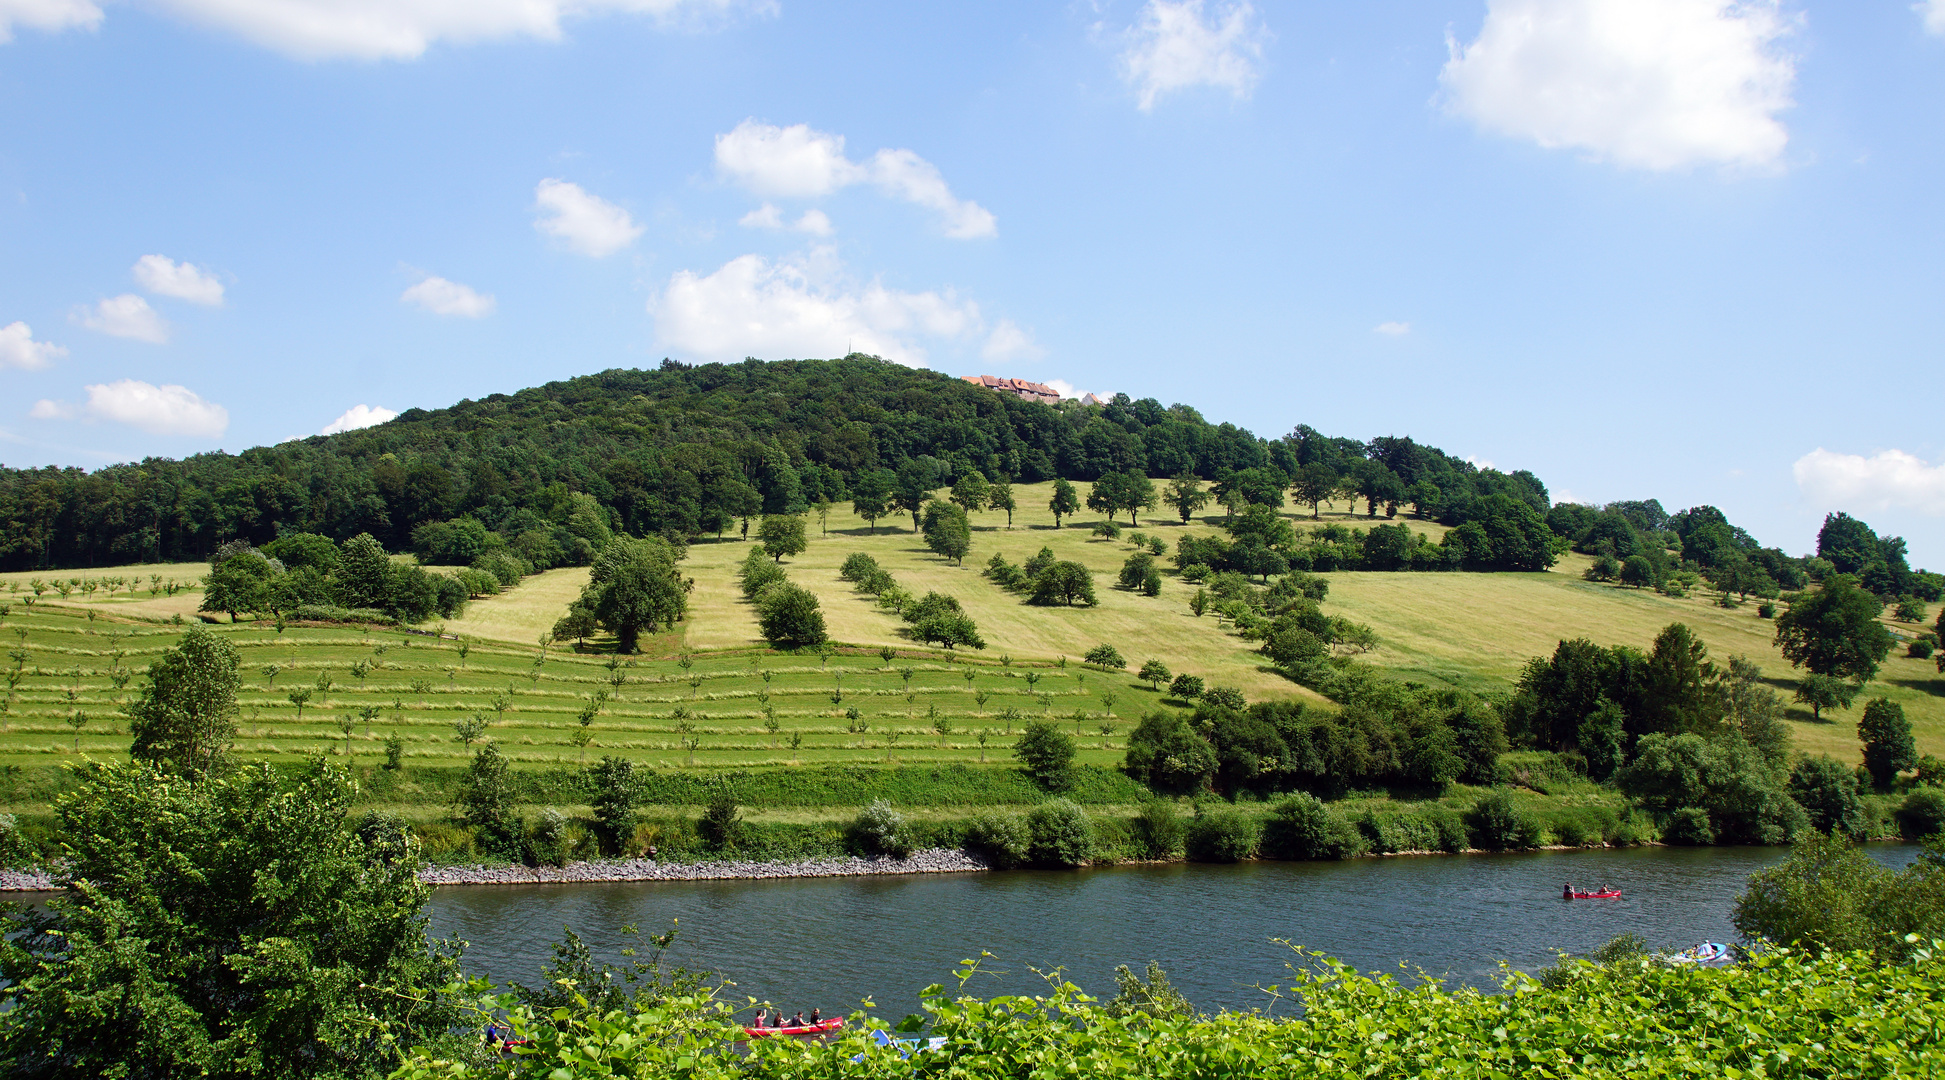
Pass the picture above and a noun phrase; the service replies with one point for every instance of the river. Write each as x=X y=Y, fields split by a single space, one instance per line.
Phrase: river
x=832 y=942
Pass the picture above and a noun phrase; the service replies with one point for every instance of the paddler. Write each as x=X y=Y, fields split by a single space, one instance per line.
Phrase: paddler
x=1567 y=891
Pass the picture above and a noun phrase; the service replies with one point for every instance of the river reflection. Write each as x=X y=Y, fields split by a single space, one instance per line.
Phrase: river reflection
x=830 y=942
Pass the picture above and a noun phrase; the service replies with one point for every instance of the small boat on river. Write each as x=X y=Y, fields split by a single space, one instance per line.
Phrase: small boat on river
x=819 y=1028
x=1610 y=894
x=1707 y=954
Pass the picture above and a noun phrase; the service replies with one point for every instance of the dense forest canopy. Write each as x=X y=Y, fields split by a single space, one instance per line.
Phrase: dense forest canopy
x=684 y=451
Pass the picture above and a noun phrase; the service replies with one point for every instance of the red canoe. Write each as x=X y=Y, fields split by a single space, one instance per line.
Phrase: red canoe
x=1611 y=894
x=818 y=1028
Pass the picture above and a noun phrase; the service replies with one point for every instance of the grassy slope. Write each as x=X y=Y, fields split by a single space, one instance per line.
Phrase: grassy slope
x=1467 y=629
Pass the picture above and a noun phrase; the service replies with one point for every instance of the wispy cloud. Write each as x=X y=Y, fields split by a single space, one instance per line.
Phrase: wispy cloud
x=1176 y=44
x=442 y=297
x=124 y=316
x=801 y=162
x=158 y=410
x=164 y=276
x=359 y=416
x=583 y=223
x=18 y=349
x=1888 y=479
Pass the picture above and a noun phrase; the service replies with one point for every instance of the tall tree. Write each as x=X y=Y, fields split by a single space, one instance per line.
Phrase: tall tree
x=1888 y=746
x=633 y=585
x=185 y=719
x=1834 y=631
x=238 y=928
x=911 y=489
x=1313 y=484
x=871 y=496
x=1186 y=495
x=782 y=534
x=1000 y=497
x=1063 y=502
x=946 y=530
x=971 y=491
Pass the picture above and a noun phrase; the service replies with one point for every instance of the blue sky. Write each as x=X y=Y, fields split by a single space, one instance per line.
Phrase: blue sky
x=1681 y=249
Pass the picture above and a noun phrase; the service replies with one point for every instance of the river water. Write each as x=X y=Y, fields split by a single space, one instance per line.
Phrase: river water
x=832 y=942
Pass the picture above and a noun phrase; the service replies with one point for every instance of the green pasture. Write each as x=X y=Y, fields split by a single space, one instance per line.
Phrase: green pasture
x=1470 y=630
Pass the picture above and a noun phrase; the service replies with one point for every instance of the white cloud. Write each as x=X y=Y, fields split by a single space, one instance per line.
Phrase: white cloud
x=158 y=410
x=1933 y=12
x=1392 y=329
x=404 y=29
x=165 y=277
x=799 y=162
x=359 y=416
x=1888 y=479
x=1069 y=390
x=585 y=223
x=1174 y=46
x=48 y=15
x=802 y=307
x=815 y=222
x=1009 y=342
x=18 y=349
x=127 y=315
x=442 y=297
x=1653 y=84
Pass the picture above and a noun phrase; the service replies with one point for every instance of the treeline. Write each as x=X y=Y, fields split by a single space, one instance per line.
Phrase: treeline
x=307 y=576
x=683 y=452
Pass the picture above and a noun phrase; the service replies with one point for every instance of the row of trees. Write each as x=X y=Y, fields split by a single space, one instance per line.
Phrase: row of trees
x=305 y=575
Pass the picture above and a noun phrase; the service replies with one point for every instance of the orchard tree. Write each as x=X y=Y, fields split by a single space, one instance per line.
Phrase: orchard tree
x=911 y=489
x=1155 y=673
x=970 y=492
x=1822 y=692
x=871 y=496
x=1834 y=631
x=1313 y=484
x=1118 y=491
x=999 y=496
x=782 y=534
x=633 y=586
x=1888 y=746
x=947 y=531
x=1186 y=495
x=185 y=719
x=788 y=615
x=1063 y=502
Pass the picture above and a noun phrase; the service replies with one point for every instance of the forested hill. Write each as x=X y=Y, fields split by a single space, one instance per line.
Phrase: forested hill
x=684 y=451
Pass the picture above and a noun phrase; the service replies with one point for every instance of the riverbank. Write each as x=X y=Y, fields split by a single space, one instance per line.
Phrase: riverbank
x=930 y=861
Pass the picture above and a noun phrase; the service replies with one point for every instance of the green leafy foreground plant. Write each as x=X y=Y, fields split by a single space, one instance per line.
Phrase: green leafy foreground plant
x=1818 y=1016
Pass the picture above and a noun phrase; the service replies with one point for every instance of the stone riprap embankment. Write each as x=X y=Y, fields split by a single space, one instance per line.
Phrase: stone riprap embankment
x=932 y=861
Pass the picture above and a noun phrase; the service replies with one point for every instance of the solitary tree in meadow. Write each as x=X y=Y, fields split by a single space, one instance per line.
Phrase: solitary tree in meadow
x=1064 y=501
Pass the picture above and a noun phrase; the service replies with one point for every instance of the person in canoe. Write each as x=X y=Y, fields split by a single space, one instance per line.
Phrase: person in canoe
x=797 y=1021
x=1567 y=891
x=816 y=1017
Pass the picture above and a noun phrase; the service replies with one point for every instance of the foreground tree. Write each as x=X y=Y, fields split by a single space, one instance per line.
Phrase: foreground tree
x=1830 y=895
x=632 y=587
x=1834 y=631
x=234 y=928
x=185 y=719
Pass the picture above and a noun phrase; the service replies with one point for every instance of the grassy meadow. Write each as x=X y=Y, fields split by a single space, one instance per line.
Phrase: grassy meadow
x=710 y=696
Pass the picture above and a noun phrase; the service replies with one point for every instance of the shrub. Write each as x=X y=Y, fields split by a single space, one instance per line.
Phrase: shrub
x=548 y=841
x=1299 y=827
x=879 y=830
x=1919 y=650
x=1135 y=570
x=1107 y=529
x=1194 y=573
x=1222 y=836
x=1910 y=609
x=1104 y=655
x=1493 y=823
x=1063 y=583
x=1058 y=834
x=1151 y=585
x=1157 y=829
x=1888 y=746
x=615 y=795
x=1827 y=791
x=1766 y=610
x=1688 y=826
x=1225 y=697
x=1451 y=832
x=1047 y=753
x=1922 y=813
x=1167 y=754
x=858 y=566
x=721 y=824
x=788 y=615
x=1186 y=687
x=1000 y=839
x=1570 y=831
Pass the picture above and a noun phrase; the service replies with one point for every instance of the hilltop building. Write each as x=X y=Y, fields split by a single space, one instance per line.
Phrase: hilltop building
x=1031 y=391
